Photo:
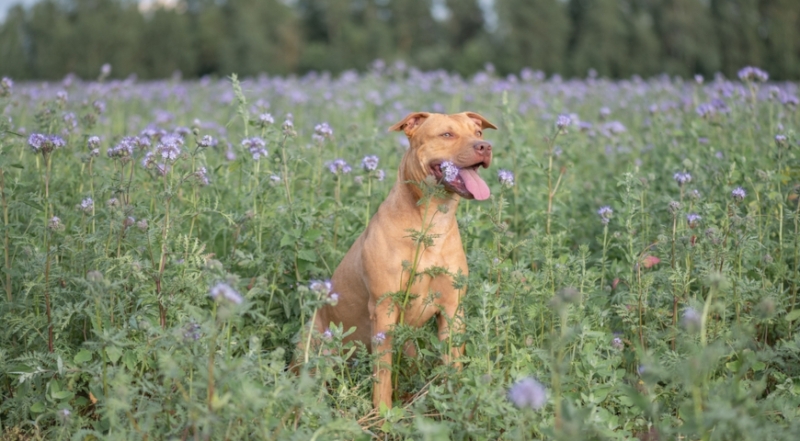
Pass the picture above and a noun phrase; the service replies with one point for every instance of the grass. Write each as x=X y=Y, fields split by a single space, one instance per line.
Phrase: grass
x=672 y=316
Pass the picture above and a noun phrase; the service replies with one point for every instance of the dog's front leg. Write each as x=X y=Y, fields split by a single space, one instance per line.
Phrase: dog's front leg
x=384 y=316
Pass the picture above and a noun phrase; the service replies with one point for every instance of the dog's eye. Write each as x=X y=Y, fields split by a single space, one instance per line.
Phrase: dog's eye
x=479 y=133
x=447 y=135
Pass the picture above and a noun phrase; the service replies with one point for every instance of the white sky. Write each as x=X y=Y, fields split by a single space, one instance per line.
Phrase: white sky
x=5 y=5
x=439 y=10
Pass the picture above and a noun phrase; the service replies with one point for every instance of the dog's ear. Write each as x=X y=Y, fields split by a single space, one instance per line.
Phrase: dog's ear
x=480 y=121
x=410 y=123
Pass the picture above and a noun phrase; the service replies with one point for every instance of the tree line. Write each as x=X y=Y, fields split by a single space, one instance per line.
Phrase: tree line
x=616 y=38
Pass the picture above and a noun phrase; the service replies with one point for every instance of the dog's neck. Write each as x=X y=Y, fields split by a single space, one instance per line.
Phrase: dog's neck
x=405 y=198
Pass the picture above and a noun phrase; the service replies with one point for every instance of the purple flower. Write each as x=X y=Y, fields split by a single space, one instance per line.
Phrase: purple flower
x=605 y=213
x=256 y=147
x=698 y=79
x=169 y=147
x=333 y=298
x=322 y=132
x=123 y=149
x=55 y=223
x=682 y=178
x=327 y=335
x=378 y=339
x=691 y=319
x=339 y=166
x=738 y=193
x=750 y=73
x=693 y=219
x=265 y=119
x=45 y=143
x=321 y=287
x=449 y=171
x=780 y=140
x=5 y=87
x=223 y=291
x=99 y=106
x=506 y=177
x=369 y=163
x=617 y=343
x=105 y=70
x=207 y=141
x=93 y=142
x=86 y=205
x=528 y=393
x=201 y=175
x=562 y=122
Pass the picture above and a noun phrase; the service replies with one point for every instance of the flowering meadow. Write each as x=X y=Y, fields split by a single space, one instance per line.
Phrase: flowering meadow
x=634 y=274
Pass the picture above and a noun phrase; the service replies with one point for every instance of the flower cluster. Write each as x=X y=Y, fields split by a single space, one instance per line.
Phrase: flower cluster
x=86 y=205
x=202 y=176
x=45 y=143
x=5 y=87
x=223 y=291
x=750 y=73
x=692 y=219
x=605 y=213
x=322 y=132
x=169 y=147
x=206 y=142
x=562 y=122
x=369 y=163
x=449 y=171
x=506 y=177
x=55 y=224
x=528 y=393
x=256 y=147
x=339 y=166
x=682 y=178
x=738 y=194
x=265 y=119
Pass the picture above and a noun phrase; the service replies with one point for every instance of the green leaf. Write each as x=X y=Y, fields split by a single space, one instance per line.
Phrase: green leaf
x=312 y=235
x=287 y=240
x=38 y=407
x=113 y=353
x=83 y=356
x=792 y=316
x=63 y=395
x=130 y=360
x=307 y=255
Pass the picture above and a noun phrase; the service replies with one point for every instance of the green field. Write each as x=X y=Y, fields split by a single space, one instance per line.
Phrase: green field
x=642 y=267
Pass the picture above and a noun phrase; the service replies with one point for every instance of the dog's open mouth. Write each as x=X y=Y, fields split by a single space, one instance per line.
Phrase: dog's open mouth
x=464 y=181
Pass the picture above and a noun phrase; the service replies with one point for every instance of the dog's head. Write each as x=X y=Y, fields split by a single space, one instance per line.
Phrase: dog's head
x=451 y=148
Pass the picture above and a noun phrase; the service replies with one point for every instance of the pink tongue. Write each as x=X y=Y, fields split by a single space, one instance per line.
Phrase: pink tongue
x=474 y=183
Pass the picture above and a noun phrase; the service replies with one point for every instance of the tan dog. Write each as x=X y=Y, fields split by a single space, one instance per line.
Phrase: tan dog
x=373 y=267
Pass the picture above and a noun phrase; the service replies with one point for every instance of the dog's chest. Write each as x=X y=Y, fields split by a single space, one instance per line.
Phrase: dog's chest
x=433 y=288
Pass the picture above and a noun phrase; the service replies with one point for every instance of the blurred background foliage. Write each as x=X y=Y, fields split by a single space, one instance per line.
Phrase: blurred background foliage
x=617 y=38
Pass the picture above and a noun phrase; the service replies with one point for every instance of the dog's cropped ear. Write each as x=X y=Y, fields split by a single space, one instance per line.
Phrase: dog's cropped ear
x=481 y=121
x=410 y=123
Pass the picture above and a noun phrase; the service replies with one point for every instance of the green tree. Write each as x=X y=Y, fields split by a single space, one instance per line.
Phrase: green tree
x=780 y=22
x=736 y=23
x=49 y=34
x=16 y=62
x=600 y=37
x=166 y=45
x=644 y=49
x=688 y=41
x=262 y=36
x=92 y=42
x=533 y=33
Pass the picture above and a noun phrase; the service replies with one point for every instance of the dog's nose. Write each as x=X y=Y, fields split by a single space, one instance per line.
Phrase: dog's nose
x=482 y=148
